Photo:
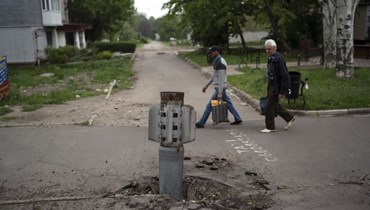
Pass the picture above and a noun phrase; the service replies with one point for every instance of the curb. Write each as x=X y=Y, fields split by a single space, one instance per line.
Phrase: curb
x=333 y=112
x=254 y=103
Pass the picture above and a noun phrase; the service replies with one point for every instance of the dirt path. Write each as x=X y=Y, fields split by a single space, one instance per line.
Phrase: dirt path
x=123 y=108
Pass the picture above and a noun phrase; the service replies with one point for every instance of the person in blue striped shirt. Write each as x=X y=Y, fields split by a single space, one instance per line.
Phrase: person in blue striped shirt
x=219 y=80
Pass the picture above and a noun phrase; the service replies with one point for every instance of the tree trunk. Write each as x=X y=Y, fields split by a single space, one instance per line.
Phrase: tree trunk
x=275 y=26
x=329 y=32
x=243 y=41
x=345 y=21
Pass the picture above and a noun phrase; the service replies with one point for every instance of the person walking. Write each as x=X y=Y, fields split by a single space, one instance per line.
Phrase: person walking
x=219 y=80
x=278 y=86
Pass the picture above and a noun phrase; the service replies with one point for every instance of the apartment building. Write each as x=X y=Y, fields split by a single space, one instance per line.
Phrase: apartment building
x=361 y=34
x=27 y=27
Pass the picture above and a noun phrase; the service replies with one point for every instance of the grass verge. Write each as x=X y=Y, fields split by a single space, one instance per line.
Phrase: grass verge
x=31 y=89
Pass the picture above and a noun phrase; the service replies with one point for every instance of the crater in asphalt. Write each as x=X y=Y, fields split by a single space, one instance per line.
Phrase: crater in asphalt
x=204 y=192
x=218 y=184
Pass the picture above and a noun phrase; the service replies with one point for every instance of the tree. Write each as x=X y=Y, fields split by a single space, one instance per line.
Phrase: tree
x=338 y=20
x=236 y=17
x=345 y=22
x=292 y=22
x=106 y=16
x=168 y=27
x=145 y=27
x=276 y=8
x=306 y=26
x=211 y=22
x=127 y=32
x=330 y=32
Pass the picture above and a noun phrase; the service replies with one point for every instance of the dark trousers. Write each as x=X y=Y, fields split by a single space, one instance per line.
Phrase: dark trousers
x=273 y=108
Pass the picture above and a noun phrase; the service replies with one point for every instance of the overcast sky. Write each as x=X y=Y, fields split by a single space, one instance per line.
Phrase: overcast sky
x=151 y=7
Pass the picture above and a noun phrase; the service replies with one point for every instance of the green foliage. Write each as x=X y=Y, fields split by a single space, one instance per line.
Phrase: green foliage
x=145 y=27
x=123 y=47
x=128 y=32
x=198 y=57
x=184 y=42
x=214 y=22
x=29 y=90
x=143 y=40
x=252 y=24
x=84 y=55
x=106 y=17
x=55 y=57
x=104 y=55
x=252 y=82
x=169 y=26
x=60 y=55
x=232 y=56
x=85 y=123
x=305 y=24
x=296 y=20
x=68 y=50
x=211 y=22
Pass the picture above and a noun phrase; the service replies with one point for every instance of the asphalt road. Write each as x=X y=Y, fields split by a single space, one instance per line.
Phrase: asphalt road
x=319 y=163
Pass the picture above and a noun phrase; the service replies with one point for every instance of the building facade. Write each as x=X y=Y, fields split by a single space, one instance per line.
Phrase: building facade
x=362 y=21
x=361 y=34
x=27 y=27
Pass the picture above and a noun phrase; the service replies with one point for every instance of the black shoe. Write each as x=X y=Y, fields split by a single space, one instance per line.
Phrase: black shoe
x=197 y=125
x=236 y=122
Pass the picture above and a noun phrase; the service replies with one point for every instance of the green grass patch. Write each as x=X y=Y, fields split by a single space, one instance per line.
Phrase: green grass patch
x=66 y=82
x=85 y=123
x=5 y=110
x=5 y=119
x=325 y=91
x=235 y=56
x=199 y=57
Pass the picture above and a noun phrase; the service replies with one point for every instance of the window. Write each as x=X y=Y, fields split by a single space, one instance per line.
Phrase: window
x=49 y=38
x=55 y=5
x=43 y=5
x=50 y=5
x=70 y=40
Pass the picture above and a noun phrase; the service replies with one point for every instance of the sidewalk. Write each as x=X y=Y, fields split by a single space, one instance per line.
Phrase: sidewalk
x=359 y=62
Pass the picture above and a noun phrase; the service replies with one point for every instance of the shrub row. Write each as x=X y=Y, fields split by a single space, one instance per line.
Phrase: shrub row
x=104 y=55
x=104 y=50
x=123 y=47
x=60 y=55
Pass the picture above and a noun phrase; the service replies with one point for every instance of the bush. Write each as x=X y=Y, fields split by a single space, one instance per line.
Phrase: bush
x=84 y=55
x=123 y=47
x=105 y=55
x=60 y=55
x=184 y=42
x=143 y=40
x=68 y=50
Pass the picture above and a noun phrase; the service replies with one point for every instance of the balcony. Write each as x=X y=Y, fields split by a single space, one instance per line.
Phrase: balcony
x=52 y=18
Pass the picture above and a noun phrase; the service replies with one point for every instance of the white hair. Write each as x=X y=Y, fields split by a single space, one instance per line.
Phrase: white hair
x=270 y=42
